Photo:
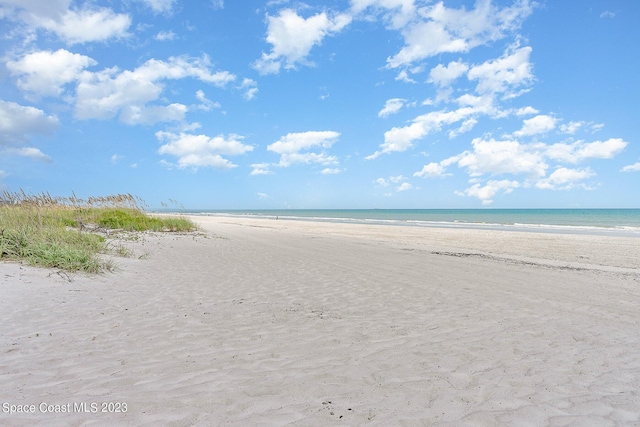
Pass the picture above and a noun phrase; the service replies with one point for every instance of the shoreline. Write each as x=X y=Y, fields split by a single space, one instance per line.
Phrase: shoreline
x=302 y=323
x=579 y=249
x=606 y=230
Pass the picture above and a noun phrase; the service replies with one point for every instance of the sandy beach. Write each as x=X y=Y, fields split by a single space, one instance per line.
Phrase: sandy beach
x=265 y=322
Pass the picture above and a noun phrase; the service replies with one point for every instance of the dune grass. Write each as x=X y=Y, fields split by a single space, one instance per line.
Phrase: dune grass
x=69 y=232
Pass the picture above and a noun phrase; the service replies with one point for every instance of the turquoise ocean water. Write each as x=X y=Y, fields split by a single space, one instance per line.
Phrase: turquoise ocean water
x=612 y=221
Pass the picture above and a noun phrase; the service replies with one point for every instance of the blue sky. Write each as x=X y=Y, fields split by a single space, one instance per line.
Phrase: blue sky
x=221 y=104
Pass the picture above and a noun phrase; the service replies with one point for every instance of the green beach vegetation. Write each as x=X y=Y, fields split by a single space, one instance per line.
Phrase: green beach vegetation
x=71 y=233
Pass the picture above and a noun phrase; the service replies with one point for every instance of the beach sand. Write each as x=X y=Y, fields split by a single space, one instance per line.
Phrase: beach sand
x=265 y=322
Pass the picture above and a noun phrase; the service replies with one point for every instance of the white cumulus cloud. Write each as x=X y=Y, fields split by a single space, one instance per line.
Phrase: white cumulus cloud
x=250 y=88
x=46 y=72
x=431 y=170
x=465 y=127
x=439 y=29
x=87 y=25
x=502 y=157
x=526 y=111
x=196 y=151
x=17 y=122
x=107 y=93
x=444 y=75
x=392 y=106
x=505 y=74
x=381 y=182
x=292 y=37
x=486 y=193
x=399 y=139
x=295 y=148
x=511 y=157
x=580 y=150
x=30 y=152
x=260 y=169
x=632 y=168
x=71 y=24
x=400 y=180
x=403 y=76
x=563 y=178
x=331 y=171
x=405 y=186
x=205 y=103
x=165 y=36
x=572 y=127
x=537 y=125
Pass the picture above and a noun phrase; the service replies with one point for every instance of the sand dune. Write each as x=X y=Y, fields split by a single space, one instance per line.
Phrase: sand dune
x=264 y=322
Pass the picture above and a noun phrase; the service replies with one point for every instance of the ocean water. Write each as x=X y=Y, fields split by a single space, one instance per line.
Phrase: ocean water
x=611 y=221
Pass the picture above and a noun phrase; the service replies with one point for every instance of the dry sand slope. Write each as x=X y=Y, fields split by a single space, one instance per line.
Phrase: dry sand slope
x=290 y=323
